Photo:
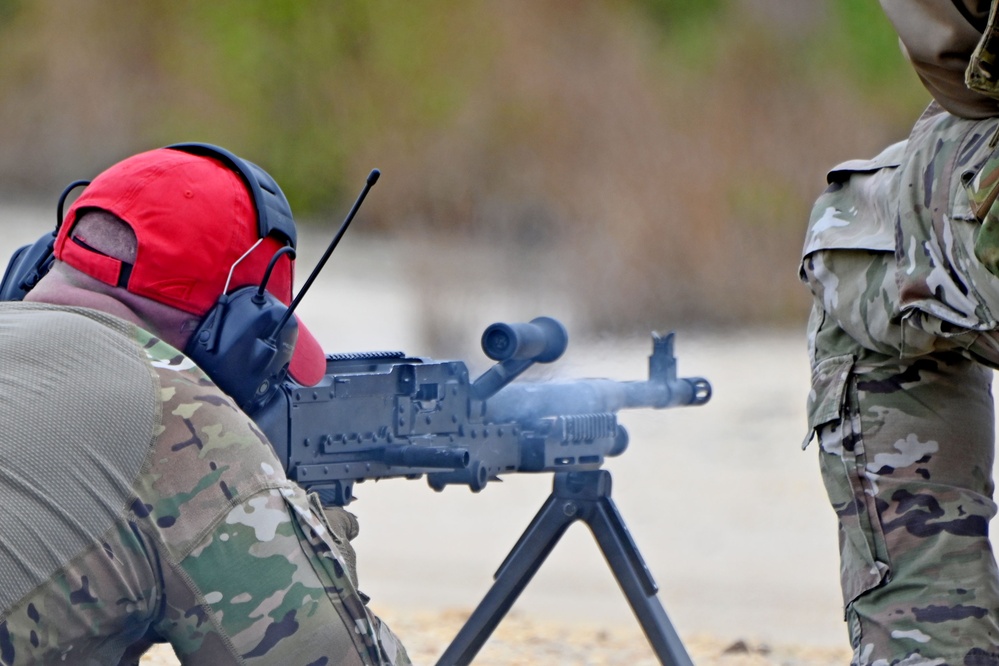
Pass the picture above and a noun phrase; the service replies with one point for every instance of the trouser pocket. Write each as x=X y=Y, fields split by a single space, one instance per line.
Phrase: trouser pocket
x=843 y=462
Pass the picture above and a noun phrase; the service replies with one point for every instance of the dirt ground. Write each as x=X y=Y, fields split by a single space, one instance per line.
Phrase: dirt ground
x=519 y=641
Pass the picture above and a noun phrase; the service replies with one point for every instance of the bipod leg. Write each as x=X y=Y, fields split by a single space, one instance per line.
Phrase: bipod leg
x=510 y=580
x=629 y=568
x=576 y=496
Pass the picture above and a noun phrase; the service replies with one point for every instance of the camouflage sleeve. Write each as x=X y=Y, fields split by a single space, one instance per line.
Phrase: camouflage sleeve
x=89 y=611
x=250 y=567
x=269 y=582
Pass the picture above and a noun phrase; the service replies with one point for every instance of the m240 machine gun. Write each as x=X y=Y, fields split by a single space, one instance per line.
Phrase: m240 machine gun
x=388 y=415
x=384 y=415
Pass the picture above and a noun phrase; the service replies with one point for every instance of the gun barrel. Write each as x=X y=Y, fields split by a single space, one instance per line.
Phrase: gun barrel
x=592 y=396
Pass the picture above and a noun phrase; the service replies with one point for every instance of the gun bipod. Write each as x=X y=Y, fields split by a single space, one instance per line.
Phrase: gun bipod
x=577 y=496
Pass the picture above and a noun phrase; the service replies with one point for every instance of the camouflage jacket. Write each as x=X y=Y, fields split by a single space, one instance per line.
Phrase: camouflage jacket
x=931 y=201
x=138 y=500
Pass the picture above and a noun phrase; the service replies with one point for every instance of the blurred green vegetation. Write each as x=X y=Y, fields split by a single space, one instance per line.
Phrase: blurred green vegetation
x=859 y=40
x=670 y=148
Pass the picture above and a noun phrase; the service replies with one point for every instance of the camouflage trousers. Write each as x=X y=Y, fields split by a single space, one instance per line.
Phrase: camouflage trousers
x=901 y=400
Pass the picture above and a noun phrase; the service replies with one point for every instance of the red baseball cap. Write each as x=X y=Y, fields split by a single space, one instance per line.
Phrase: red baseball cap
x=194 y=221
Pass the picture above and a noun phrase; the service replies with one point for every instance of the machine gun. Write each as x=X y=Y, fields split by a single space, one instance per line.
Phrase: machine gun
x=385 y=415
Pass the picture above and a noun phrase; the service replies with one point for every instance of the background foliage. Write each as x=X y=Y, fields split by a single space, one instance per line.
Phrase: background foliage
x=665 y=151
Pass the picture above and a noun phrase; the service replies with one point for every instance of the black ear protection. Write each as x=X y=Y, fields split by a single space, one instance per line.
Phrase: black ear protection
x=245 y=341
x=26 y=267
x=30 y=263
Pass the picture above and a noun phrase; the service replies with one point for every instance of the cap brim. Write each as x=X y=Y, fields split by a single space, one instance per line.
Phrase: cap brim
x=308 y=362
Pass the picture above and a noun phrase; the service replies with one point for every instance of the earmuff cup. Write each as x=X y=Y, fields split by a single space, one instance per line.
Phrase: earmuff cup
x=27 y=266
x=236 y=346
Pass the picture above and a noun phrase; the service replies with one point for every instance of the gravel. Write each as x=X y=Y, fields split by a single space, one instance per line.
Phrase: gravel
x=521 y=640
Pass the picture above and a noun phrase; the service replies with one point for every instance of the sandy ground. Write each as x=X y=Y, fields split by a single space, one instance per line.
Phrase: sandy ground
x=521 y=641
x=726 y=509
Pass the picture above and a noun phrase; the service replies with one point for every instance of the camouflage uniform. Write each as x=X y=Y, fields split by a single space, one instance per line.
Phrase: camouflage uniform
x=903 y=326
x=139 y=501
x=902 y=257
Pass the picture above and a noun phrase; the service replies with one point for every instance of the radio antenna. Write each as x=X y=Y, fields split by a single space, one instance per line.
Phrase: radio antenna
x=372 y=179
